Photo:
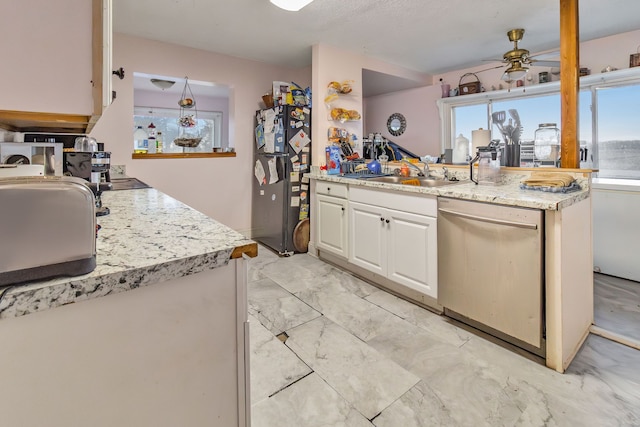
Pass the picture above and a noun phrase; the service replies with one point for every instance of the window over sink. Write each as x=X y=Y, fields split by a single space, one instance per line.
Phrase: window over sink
x=608 y=131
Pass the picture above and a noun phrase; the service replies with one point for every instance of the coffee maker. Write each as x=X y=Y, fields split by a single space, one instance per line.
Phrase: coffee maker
x=92 y=164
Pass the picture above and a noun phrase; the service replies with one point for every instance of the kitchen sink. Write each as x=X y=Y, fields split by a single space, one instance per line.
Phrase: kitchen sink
x=127 y=184
x=424 y=181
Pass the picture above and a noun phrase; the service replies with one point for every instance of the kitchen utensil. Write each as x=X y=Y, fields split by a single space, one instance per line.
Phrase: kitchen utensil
x=301 y=235
x=498 y=119
x=488 y=165
x=374 y=167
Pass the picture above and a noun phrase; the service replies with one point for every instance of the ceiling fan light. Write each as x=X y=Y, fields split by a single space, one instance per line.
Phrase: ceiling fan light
x=515 y=72
x=163 y=84
x=291 y=5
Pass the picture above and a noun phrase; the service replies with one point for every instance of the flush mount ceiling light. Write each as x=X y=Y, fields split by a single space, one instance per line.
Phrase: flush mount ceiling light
x=291 y=5
x=163 y=84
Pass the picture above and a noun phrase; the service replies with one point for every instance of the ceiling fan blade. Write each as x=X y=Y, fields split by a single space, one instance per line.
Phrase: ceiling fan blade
x=543 y=63
x=494 y=60
x=490 y=68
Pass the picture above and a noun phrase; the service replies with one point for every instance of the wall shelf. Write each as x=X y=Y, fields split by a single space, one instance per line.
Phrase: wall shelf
x=180 y=155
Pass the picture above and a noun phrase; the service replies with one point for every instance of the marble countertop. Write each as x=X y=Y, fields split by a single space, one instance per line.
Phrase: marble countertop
x=507 y=193
x=148 y=237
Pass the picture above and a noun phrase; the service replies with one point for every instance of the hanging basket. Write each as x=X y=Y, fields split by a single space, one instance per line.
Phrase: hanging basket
x=189 y=135
x=187 y=100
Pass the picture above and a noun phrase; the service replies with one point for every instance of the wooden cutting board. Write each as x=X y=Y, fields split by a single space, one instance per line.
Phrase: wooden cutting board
x=301 y=236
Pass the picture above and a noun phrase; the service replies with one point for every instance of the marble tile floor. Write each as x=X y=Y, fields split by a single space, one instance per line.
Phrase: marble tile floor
x=328 y=349
x=617 y=305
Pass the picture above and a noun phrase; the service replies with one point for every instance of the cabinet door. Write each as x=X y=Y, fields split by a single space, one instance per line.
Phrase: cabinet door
x=332 y=224
x=412 y=251
x=368 y=232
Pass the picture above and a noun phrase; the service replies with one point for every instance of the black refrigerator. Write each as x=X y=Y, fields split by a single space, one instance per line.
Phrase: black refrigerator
x=280 y=194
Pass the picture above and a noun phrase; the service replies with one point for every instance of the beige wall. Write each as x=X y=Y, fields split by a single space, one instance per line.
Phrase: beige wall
x=334 y=64
x=422 y=136
x=219 y=187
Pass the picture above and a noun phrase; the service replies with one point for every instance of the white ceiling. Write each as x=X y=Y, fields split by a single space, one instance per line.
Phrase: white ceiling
x=431 y=36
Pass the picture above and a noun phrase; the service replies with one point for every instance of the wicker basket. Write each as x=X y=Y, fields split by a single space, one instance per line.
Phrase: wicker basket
x=468 y=88
x=267 y=98
x=187 y=142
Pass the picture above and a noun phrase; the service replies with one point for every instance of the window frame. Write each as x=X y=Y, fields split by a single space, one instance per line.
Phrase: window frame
x=589 y=83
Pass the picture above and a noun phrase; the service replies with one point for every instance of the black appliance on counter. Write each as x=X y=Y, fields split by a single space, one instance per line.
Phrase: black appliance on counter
x=280 y=198
x=94 y=167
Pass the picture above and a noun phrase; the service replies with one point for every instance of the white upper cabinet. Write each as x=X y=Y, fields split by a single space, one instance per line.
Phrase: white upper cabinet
x=54 y=54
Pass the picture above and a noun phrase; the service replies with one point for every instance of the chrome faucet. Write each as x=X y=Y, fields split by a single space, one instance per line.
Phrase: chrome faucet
x=421 y=172
x=445 y=173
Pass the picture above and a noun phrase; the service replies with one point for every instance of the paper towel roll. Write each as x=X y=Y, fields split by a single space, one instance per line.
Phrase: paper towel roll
x=479 y=138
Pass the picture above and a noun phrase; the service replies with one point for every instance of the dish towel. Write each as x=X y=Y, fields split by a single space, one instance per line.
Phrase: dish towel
x=549 y=179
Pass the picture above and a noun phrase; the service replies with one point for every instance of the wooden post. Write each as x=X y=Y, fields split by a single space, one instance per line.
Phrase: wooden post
x=569 y=83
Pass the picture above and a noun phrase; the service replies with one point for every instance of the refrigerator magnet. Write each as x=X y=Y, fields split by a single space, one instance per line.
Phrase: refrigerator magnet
x=260 y=136
x=296 y=167
x=295 y=176
x=295 y=201
x=295 y=188
x=305 y=110
x=304 y=211
x=299 y=124
x=294 y=159
x=304 y=187
x=303 y=196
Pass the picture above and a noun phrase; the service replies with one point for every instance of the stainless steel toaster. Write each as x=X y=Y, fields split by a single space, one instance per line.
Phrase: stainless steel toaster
x=47 y=228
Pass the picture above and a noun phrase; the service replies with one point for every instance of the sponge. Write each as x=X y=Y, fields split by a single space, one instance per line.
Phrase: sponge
x=412 y=181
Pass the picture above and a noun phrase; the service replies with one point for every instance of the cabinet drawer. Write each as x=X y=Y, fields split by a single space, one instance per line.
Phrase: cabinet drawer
x=331 y=189
x=421 y=204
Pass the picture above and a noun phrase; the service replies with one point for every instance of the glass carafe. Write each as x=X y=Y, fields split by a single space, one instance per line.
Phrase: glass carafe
x=488 y=159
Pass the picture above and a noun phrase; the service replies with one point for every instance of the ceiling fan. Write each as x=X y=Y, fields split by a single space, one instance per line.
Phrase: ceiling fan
x=519 y=59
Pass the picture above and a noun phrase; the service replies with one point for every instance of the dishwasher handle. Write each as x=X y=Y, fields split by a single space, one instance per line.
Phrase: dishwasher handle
x=489 y=220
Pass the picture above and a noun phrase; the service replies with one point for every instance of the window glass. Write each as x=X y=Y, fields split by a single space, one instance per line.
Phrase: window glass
x=585 y=129
x=208 y=124
x=468 y=118
x=530 y=112
x=618 y=138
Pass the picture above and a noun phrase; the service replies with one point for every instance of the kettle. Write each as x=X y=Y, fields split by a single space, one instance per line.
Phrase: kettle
x=488 y=165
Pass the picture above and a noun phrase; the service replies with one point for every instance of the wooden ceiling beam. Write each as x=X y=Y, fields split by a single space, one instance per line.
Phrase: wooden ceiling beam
x=569 y=83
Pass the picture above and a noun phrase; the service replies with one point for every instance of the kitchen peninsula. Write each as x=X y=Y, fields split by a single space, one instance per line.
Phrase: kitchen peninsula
x=156 y=335
x=408 y=215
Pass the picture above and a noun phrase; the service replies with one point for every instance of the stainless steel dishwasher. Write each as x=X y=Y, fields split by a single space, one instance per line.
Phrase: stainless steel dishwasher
x=490 y=269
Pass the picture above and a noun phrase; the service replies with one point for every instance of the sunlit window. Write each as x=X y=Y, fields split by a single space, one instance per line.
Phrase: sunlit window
x=618 y=135
x=165 y=120
x=608 y=128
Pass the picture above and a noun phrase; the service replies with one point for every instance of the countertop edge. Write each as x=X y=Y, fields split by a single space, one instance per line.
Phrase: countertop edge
x=507 y=194
x=250 y=250
x=190 y=243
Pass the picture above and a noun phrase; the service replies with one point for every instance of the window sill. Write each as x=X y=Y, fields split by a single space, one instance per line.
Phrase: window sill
x=180 y=155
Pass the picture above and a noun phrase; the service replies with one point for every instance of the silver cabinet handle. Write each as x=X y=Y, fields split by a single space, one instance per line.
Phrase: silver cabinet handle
x=490 y=220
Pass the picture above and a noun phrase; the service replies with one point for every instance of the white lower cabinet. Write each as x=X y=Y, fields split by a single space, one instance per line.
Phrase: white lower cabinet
x=400 y=245
x=332 y=223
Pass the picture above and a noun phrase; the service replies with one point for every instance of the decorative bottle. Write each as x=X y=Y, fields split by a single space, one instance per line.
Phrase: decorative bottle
x=159 y=143
x=152 y=138
x=140 y=141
